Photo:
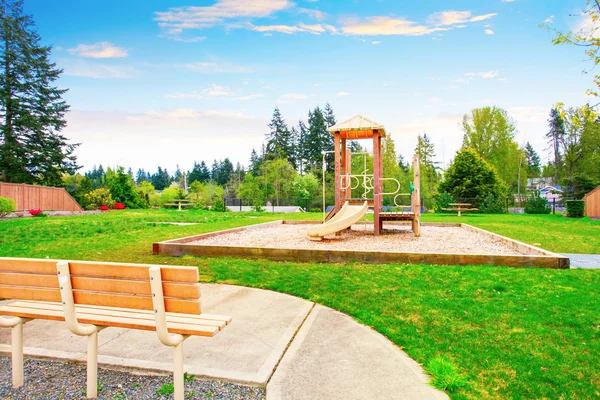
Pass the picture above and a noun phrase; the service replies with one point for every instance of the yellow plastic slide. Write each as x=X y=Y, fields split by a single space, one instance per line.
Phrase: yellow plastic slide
x=347 y=216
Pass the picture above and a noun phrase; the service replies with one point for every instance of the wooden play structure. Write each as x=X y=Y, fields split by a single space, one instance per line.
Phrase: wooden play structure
x=349 y=210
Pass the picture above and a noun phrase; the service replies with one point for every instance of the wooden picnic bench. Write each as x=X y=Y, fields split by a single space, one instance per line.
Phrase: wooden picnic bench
x=180 y=203
x=91 y=296
x=460 y=207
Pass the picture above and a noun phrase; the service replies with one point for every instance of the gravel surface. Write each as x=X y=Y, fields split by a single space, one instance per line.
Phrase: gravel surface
x=66 y=380
x=434 y=239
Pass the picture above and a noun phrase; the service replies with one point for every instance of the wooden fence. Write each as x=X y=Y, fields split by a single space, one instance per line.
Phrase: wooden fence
x=592 y=203
x=46 y=198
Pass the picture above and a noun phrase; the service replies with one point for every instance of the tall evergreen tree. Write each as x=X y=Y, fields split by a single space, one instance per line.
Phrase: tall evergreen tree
x=225 y=172
x=533 y=161
x=555 y=136
x=429 y=168
x=278 y=138
x=32 y=110
x=329 y=116
x=161 y=179
x=301 y=146
x=255 y=162
x=317 y=140
x=141 y=176
x=214 y=171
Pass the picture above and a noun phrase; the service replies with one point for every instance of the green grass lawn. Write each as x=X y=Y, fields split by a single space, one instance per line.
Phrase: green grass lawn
x=506 y=332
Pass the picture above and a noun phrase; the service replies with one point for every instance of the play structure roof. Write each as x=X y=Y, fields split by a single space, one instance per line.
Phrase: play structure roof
x=357 y=127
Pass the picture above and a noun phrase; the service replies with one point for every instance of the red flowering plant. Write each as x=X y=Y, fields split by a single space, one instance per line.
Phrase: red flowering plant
x=36 y=213
x=103 y=207
x=119 y=206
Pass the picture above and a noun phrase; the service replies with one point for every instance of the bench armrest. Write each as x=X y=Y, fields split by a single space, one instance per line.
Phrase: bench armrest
x=66 y=295
x=160 y=317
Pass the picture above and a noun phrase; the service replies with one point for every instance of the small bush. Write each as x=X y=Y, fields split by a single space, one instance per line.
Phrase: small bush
x=445 y=375
x=103 y=207
x=219 y=206
x=492 y=205
x=575 y=208
x=166 y=389
x=119 y=206
x=537 y=205
x=7 y=206
x=442 y=200
x=98 y=197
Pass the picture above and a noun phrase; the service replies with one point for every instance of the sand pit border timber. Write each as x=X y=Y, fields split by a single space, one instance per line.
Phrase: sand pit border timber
x=532 y=256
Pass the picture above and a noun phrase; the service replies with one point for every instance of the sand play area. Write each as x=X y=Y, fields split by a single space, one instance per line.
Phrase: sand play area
x=399 y=238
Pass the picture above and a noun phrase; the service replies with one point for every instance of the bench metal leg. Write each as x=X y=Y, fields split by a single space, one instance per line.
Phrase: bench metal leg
x=18 y=378
x=92 y=366
x=16 y=323
x=178 y=371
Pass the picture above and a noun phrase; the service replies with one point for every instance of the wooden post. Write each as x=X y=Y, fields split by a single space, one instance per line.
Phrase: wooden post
x=416 y=196
x=376 y=182
x=338 y=199
x=349 y=172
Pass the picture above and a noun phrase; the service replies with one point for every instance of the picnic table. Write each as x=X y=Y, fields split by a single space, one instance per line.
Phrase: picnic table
x=179 y=203
x=460 y=207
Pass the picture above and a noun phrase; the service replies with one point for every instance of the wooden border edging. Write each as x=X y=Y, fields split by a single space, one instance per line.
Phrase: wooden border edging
x=535 y=257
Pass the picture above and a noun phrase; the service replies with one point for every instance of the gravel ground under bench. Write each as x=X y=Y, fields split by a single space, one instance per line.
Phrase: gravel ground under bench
x=46 y=379
x=434 y=239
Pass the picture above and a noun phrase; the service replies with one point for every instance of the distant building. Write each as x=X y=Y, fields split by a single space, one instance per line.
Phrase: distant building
x=551 y=193
x=534 y=184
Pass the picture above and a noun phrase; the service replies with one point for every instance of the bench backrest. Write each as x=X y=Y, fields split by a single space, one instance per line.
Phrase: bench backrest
x=101 y=284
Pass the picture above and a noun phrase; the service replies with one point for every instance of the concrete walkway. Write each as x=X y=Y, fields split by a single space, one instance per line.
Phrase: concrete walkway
x=590 y=261
x=297 y=349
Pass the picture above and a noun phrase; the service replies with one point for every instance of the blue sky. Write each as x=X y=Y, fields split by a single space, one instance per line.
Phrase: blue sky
x=169 y=82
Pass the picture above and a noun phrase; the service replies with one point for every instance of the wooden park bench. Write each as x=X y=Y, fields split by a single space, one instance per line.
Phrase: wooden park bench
x=91 y=296
x=180 y=203
x=460 y=207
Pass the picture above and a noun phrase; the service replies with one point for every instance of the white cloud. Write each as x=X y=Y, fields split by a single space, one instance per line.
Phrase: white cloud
x=488 y=32
x=211 y=67
x=194 y=39
x=192 y=95
x=87 y=69
x=175 y=20
x=289 y=97
x=549 y=20
x=445 y=18
x=316 y=29
x=508 y=1
x=376 y=42
x=341 y=94
x=249 y=97
x=316 y=14
x=488 y=75
x=375 y=26
x=99 y=50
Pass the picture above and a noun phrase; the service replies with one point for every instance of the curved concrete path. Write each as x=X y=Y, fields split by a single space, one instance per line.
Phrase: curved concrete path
x=299 y=350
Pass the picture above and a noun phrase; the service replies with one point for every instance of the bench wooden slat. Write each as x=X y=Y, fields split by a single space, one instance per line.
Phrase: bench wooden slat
x=200 y=316
x=100 y=269
x=170 y=289
x=209 y=320
x=113 y=321
x=140 y=302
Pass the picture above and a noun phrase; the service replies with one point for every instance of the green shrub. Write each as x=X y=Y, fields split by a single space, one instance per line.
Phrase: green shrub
x=7 y=206
x=492 y=205
x=219 y=206
x=123 y=190
x=98 y=197
x=442 y=200
x=537 y=205
x=575 y=208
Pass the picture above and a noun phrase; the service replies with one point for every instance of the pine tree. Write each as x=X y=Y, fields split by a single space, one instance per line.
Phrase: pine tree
x=301 y=146
x=32 y=110
x=161 y=179
x=225 y=172
x=318 y=140
x=533 y=161
x=555 y=136
x=141 y=176
x=329 y=116
x=278 y=139
x=214 y=171
x=255 y=162
x=204 y=173
x=429 y=168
